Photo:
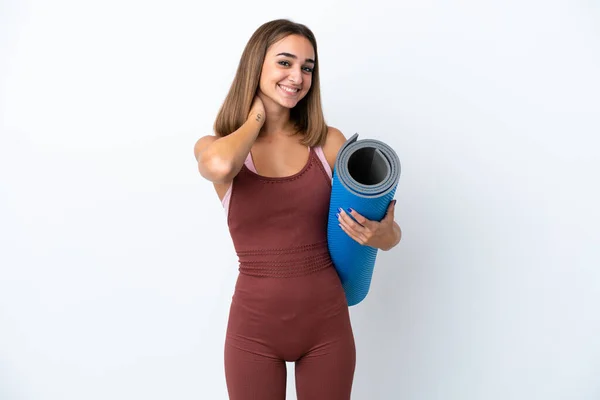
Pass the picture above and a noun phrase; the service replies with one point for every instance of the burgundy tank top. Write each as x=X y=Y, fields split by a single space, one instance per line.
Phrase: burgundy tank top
x=279 y=225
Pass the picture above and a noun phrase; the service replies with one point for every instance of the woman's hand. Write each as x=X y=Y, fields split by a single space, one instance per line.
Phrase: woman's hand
x=257 y=111
x=382 y=235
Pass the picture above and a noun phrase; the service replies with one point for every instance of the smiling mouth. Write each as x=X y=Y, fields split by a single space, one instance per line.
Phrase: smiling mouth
x=288 y=89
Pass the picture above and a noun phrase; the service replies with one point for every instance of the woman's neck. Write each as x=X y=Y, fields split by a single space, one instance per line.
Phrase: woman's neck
x=278 y=120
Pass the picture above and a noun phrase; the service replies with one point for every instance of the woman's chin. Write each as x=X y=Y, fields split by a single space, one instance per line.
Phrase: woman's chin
x=284 y=102
x=288 y=103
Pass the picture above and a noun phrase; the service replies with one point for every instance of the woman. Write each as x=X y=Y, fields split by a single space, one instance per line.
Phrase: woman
x=270 y=161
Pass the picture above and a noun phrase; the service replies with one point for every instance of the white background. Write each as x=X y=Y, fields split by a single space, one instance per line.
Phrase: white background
x=116 y=266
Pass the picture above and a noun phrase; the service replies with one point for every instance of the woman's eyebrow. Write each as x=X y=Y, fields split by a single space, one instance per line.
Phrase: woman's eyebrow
x=290 y=55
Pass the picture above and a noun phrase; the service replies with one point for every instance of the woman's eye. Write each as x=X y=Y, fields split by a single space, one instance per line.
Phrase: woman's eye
x=308 y=69
x=284 y=63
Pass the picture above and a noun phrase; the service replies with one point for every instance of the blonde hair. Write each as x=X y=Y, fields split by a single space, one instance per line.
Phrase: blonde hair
x=307 y=115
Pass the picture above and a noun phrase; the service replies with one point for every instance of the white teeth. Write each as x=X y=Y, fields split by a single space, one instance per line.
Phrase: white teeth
x=289 y=90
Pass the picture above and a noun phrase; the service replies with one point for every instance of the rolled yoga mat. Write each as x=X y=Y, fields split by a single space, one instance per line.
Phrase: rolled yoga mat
x=365 y=178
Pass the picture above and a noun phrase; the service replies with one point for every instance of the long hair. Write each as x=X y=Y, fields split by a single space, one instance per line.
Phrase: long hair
x=307 y=115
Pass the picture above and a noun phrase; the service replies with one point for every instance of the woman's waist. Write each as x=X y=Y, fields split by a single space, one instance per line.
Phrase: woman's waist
x=288 y=261
x=309 y=292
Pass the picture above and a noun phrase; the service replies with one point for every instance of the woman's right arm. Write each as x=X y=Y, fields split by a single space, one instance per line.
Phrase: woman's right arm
x=221 y=158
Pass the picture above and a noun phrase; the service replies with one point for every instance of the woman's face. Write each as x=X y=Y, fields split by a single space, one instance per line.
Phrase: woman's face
x=287 y=71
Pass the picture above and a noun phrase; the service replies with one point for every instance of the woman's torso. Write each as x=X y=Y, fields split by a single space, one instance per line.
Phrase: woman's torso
x=278 y=224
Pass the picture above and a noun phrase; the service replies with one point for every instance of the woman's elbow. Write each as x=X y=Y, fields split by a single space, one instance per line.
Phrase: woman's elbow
x=215 y=169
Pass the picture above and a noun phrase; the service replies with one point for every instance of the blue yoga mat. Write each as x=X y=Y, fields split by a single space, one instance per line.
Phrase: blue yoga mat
x=365 y=178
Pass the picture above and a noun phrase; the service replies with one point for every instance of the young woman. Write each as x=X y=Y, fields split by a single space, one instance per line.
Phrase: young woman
x=270 y=161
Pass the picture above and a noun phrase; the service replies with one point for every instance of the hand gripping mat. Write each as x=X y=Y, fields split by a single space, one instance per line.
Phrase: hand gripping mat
x=365 y=178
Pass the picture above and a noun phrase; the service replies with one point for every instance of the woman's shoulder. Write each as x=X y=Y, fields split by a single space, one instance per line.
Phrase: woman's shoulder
x=334 y=140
